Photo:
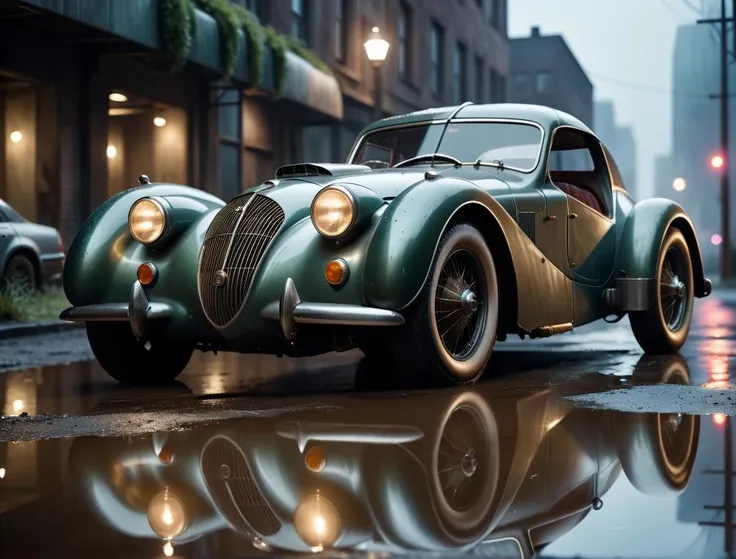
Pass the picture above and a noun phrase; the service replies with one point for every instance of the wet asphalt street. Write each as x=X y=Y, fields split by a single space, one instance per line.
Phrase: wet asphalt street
x=572 y=446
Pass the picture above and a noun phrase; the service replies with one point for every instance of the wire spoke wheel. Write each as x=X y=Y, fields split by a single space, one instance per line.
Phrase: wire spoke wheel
x=673 y=290
x=461 y=304
x=463 y=463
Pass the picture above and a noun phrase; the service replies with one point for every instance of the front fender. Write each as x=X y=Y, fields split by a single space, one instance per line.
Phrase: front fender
x=102 y=261
x=402 y=248
x=644 y=233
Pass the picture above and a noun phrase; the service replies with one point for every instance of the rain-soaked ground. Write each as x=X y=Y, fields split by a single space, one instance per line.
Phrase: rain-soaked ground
x=575 y=446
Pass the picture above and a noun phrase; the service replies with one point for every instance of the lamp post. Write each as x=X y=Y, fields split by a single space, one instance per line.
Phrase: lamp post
x=376 y=48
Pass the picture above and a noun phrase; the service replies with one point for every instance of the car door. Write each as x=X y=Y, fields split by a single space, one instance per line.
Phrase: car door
x=579 y=169
x=6 y=236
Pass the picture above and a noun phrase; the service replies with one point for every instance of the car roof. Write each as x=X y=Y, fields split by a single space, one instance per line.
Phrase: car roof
x=547 y=117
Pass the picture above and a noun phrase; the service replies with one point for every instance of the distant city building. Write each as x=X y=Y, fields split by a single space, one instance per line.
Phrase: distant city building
x=544 y=71
x=695 y=124
x=664 y=177
x=619 y=140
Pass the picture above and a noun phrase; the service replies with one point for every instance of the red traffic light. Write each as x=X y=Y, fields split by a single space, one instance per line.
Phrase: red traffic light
x=717 y=162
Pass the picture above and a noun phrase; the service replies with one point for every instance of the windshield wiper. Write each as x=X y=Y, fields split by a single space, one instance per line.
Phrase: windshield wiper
x=432 y=157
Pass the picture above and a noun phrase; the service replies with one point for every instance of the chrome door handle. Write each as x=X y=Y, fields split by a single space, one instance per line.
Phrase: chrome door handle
x=573 y=216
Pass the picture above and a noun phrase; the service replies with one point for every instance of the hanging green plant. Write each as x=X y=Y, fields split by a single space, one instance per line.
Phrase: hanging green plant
x=254 y=35
x=279 y=46
x=176 y=27
x=228 y=25
x=298 y=48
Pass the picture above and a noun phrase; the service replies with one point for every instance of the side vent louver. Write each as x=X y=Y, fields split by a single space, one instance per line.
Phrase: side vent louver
x=527 y=223
x=301 y=170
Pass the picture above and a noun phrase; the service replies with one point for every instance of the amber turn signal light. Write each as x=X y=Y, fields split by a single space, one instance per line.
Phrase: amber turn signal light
x=147 y=273
x=336 y=272
x=166 y=456
x=315 y=459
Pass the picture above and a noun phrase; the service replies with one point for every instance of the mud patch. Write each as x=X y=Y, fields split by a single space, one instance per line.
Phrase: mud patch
x=694 y=400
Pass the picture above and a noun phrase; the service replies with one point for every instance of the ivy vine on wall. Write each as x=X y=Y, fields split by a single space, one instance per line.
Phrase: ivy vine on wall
x=177 y=27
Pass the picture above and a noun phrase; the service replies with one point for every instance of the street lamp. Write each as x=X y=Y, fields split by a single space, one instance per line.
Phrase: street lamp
x=376 y=49
x=679 y=184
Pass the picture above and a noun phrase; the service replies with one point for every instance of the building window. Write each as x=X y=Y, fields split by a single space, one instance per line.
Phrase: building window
x=479 y=79
x=498 y=86
x=256 y=7
x=404 y=27
x=299 y=20
x=341 y=45
x=543 y=82
x=459 y=74
x=496 y=13
x=437 y=53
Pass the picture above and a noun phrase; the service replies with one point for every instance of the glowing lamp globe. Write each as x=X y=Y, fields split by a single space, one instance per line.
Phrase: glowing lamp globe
x=376 y=48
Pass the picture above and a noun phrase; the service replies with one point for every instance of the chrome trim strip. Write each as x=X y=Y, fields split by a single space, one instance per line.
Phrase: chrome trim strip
x=304 y=433
x=52 y=256
x=631 y=294
x=112 y=312
x=290 y=311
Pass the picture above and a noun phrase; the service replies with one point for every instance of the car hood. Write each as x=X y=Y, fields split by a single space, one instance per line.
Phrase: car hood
x=389 y=183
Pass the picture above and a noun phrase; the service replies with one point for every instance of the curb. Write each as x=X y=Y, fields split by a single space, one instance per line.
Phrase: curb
x=22 y=329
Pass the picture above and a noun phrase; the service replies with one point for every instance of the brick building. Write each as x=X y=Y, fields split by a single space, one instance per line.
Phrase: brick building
x=546 y=72
x=88 y=100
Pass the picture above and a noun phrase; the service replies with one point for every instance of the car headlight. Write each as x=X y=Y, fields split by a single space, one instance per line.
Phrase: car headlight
x=166 y=515
x=317 y=522
x=333 y=211
x=147 y=220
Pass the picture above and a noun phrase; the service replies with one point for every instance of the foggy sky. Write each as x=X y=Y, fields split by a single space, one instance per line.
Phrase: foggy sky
x=625 y=47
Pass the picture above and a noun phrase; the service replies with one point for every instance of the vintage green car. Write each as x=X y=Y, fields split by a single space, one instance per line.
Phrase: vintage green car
x=447 y=229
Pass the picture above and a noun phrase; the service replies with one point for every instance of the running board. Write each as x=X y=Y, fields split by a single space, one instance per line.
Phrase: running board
x=551 y=330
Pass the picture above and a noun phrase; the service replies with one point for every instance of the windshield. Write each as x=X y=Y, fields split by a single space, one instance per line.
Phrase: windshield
x=517 y=146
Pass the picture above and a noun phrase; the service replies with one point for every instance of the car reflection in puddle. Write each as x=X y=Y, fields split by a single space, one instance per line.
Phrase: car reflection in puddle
x=450 y=471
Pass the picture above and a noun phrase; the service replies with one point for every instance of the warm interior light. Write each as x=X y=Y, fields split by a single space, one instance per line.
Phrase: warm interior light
x=376 y=48
x=112 y=152
x=716 y=161
x=2 y=473
x=118 y=97
x=719 y=418
x=168 y=549
x=159 y=121
x=18 y=406
x=16 y=136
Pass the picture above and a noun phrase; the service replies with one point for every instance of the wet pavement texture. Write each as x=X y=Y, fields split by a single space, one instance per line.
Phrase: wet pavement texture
x=575 y=446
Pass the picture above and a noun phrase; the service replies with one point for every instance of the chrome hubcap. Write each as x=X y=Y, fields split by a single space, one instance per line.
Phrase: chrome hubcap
x=459 y=304
x=468 y=464
x=672 y=290
x=469 y=302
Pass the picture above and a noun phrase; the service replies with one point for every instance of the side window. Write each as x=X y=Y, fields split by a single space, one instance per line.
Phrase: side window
x=571 y=160
x=578 y=167
x=3 y=217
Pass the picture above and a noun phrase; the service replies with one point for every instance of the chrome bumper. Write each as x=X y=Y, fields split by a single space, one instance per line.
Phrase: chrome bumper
x=138 y=312
x=290 y=311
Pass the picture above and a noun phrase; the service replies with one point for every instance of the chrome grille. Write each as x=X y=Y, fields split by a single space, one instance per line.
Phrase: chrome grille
x=233 y=248
x=230 y=482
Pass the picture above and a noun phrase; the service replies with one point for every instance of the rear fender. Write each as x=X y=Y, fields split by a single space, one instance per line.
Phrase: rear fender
x=643 y=234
